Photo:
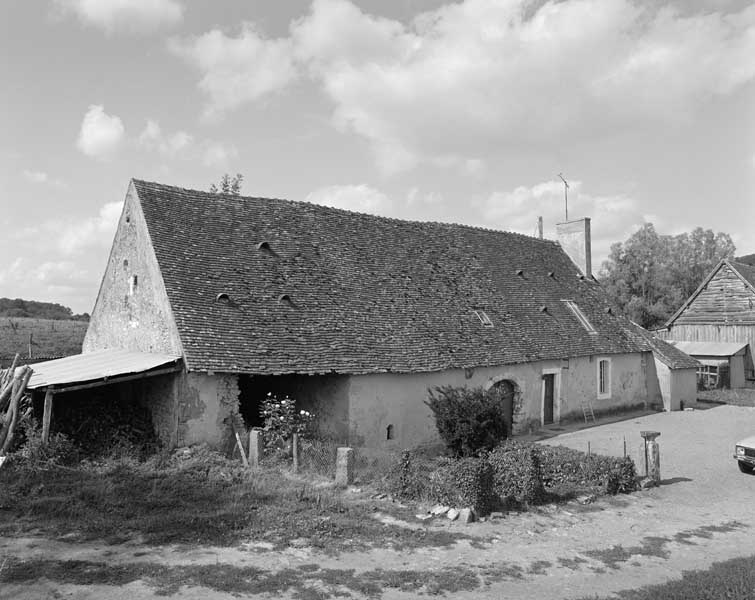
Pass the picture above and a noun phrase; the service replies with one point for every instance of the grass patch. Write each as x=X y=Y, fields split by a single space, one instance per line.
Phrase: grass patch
x=220 y=504
x=730 y=580
x=306 y=583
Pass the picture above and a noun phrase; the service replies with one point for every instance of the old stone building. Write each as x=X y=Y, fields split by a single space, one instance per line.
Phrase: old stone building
x=355 y=316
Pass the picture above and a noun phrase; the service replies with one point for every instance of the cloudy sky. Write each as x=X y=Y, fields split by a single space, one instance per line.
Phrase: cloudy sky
x=421 y=109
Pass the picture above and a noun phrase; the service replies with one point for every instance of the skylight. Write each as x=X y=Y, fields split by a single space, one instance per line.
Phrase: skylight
x=484 y=318
x=580 y=316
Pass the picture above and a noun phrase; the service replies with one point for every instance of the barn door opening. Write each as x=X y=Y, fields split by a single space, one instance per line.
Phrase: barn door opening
x=549 y=388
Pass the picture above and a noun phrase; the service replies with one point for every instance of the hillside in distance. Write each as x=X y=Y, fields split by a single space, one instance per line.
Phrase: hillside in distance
x=17 y=307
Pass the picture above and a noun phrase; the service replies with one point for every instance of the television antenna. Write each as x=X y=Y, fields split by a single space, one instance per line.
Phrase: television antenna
x=566 y=196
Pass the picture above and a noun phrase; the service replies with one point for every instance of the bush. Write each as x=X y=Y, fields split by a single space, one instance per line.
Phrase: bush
x=623 y=478
x=33 y=455
x=406 y=479
x=517 y=473
x=283 y=419
x=469 y=421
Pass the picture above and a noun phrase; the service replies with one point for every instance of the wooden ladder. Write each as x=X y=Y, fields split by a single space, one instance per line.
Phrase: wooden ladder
x=587 y=410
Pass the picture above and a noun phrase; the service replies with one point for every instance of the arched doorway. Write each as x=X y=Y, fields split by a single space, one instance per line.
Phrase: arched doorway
x=505 y=392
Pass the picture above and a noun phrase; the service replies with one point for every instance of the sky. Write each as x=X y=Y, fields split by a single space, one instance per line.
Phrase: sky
x=432 y=110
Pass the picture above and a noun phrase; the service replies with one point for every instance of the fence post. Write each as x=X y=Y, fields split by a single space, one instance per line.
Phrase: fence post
x=256 y=447
x=295 y=452
x=344 y=467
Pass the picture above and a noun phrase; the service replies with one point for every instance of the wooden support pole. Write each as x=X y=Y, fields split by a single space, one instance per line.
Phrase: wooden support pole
x=47 y=416
x=241 y=448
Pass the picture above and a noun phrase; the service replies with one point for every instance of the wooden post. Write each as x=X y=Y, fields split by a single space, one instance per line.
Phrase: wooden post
x=47 y=416
x=256 y=447
x=295 y=452
x=241 y=448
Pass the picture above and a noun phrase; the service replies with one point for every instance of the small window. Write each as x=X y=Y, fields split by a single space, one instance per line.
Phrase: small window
x=577 y=312
x=484 y=318
x=389 y=432
x=132 y=282
x=604 y=378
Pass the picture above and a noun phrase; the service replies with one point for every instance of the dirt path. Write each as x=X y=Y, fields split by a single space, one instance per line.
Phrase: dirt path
x=700 y=516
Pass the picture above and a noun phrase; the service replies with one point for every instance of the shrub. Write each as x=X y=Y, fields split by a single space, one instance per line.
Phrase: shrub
x=406 y=479
x=469 y=421
x=517 y=472
x=283 y=419
x=623 y=478
x=33 y=455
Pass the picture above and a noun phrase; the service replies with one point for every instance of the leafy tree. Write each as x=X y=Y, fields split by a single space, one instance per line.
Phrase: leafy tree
x=228 y=185
x=649 y=276
x=18 y=307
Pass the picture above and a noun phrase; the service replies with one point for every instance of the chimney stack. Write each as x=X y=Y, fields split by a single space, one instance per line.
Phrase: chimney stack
x=574 y=237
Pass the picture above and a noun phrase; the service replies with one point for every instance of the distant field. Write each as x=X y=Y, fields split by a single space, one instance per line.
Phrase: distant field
x=49 y=337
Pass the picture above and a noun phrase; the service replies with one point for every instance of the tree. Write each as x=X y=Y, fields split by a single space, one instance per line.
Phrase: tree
x=649 y=276
x=228 y=185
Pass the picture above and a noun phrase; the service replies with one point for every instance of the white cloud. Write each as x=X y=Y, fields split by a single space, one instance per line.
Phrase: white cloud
x=613 y=217
x=218 y=154
x=169 y=146
x=477 y=77
x=100 y=133
x=131 y=16
x=358 y=198
x=35 y=176
x=40 y=178
x=236 y=70
x=97 y=231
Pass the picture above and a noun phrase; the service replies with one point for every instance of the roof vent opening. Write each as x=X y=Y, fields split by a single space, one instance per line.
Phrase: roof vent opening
x=520 y=272
x=543 y=308
x=609 y=311
x=551 y=274
x=223 y=297
x=484 y=318
x=263 y=246
x=284 y=298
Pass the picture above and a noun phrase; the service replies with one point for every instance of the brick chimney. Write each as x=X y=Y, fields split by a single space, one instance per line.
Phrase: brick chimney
x=574 y=237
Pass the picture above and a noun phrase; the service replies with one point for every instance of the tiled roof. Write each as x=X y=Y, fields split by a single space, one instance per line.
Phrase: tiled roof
x=667 y=352
x=315 y=290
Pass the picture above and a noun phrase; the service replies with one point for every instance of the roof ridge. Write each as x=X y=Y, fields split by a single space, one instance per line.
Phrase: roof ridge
x=190 y=191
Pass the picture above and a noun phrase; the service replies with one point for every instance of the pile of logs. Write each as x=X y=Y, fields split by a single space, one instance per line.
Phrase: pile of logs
x=12 y=389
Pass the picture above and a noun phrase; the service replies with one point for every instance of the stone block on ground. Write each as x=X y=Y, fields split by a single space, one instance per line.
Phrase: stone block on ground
x=439 y=510
x=466 y=515
x=452 y=514
x=345 y=467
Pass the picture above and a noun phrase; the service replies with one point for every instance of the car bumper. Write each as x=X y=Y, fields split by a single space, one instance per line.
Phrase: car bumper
x=750 y=460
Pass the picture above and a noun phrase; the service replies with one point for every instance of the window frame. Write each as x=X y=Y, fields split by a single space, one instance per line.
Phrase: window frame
x=606 y=391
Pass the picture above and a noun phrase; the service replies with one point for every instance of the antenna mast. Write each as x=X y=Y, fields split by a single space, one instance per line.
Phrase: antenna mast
x=566 y=196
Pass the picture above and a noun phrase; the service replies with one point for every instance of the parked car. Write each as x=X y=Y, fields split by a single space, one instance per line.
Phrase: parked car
x=744 y=452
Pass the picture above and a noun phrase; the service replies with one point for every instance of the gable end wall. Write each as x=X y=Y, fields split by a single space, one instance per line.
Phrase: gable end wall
x=142 y=321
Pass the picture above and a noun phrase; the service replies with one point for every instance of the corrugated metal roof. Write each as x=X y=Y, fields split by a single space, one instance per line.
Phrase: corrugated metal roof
x=710 y=348
x=95 y=365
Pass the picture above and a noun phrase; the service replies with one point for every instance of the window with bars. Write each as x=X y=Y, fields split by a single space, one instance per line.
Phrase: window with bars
x=580 y=316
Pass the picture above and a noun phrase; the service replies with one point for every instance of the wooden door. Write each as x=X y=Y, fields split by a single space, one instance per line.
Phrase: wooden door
x=549 y=386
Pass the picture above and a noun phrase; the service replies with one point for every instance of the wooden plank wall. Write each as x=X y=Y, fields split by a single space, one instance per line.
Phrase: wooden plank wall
x=726 y=299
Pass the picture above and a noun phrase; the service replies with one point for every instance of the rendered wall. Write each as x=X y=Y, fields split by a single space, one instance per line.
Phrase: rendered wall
x=376 y=401
x=137 y=318
x=684 y=387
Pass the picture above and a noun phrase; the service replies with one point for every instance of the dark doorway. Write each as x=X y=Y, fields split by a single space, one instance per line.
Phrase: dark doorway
x=549 y=386
x=505 y=392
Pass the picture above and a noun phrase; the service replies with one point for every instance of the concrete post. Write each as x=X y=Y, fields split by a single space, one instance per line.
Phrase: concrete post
x=295 y=451
x=256 y=447
x=652 y=457
x=345 y=467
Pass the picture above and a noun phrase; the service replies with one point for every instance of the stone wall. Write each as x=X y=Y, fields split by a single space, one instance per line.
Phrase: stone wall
x=132 y=309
